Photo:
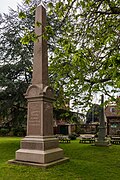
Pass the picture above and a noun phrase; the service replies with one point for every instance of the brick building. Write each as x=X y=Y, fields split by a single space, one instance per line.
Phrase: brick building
x=113 y=119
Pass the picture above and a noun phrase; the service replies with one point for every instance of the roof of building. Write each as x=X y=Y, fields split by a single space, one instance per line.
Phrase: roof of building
x=112 y=111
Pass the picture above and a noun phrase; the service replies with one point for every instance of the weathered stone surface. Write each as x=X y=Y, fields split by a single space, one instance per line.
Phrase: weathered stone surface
x=39 y=146
x=39 y=143
x=40 y=64
x=102 y=128
x=39 y=165
x=39 y=156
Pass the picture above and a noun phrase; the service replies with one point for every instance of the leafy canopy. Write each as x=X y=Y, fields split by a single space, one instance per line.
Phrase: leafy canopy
x=83 y=48
x=84 y=51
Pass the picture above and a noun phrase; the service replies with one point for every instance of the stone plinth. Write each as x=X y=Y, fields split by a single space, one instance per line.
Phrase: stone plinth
x=39 y=146
x=102 y=143
x=39 y=150
x=45 y=165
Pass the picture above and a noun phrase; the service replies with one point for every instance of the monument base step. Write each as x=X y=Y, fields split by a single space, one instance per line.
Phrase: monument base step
x=39 y=156
x=39 y=143
x=104 y=143
x=45 y=165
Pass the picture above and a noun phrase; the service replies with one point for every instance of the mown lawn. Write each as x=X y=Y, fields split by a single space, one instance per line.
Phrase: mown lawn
x=86 y=163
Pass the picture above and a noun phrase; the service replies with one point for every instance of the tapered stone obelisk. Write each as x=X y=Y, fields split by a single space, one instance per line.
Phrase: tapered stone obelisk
x=102 y=128
x=40 y=147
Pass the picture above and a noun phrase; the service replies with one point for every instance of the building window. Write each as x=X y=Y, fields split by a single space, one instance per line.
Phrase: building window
x=114 y=125
x=112 y=109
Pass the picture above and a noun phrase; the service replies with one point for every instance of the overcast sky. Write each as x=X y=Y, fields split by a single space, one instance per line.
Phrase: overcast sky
x=5 y=4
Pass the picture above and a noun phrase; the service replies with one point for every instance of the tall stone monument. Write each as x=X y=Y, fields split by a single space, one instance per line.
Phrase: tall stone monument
x=40 y=147
x=102 y=128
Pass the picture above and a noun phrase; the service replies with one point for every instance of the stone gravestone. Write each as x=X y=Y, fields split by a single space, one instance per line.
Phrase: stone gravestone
x=102 y=128
x=40 y=147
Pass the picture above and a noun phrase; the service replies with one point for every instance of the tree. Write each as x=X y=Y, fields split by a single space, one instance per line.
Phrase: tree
x=15 y=68
x=16 y=63
x=68 y=116
x=83 y=44
x=87 y=54
x=93 y=114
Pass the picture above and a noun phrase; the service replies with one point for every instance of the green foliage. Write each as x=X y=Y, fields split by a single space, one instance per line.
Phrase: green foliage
x=38 y=24
x=27 y=1
x=15 y=68
x=72 y=136
x=49 y=31
x=22 y=15
x=87 y=49
x=83 y=45
x=4 y=131
x=93 y=114
x=19 y=131
x=67 y=115
x=29 y=37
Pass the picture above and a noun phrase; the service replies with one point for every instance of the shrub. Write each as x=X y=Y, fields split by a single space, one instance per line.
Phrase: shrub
x=72 y=136
x=19 y=131
x=4 y=131
x=96 y=135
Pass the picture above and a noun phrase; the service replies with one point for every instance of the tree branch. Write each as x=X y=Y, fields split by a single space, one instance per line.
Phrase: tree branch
x=97 y=80
x=66 y=13
x=113 y=8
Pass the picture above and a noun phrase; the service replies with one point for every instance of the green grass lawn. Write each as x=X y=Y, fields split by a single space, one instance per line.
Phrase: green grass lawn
x=86 y=163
